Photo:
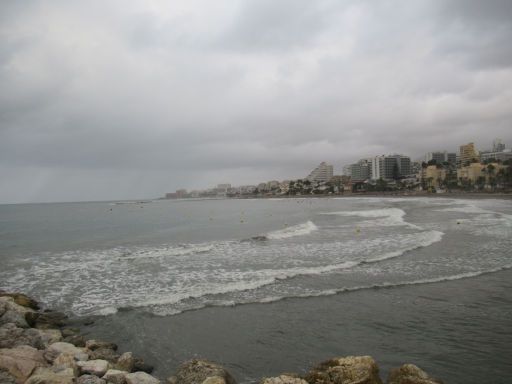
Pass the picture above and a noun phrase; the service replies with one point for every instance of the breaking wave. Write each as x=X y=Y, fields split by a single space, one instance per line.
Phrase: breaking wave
x=296 y=230
x=383 y=217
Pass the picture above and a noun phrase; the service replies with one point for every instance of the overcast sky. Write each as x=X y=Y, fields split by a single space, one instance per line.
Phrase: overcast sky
x=123 y=99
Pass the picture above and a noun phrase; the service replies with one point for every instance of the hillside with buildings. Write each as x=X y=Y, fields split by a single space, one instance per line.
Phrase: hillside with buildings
x=467 y=170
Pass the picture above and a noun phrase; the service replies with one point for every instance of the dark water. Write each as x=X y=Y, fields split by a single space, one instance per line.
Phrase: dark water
x=267 y=286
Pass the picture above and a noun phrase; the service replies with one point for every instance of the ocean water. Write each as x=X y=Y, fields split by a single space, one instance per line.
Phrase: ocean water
x=266 y=286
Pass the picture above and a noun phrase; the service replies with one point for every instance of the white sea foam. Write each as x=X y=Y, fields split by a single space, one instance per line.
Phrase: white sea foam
x=331 y=292
x=389 y=217
x=168 y=251
x=296 y=230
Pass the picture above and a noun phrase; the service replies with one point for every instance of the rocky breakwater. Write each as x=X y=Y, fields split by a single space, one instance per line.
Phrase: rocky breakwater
x=36 y=347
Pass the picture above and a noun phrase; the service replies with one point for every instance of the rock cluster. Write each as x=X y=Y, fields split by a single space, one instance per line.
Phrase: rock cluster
x=37 y=348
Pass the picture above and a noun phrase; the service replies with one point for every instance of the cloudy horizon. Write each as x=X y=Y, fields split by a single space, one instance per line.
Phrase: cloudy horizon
x=123 y=99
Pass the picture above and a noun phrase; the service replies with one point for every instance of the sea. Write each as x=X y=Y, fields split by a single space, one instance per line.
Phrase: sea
x=266 y=286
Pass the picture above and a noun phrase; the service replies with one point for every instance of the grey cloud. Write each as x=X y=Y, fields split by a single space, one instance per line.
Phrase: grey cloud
x=105 y=100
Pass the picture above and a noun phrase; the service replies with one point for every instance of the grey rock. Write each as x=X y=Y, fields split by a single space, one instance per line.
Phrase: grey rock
x=50 y=320
x=104 y=354
x=11 y=336
x=197 y=371
x=21 y=361
x=284 y=379
x=98 y=344
x=115 y=376
x=3 y=307
x=21 y=299
x=6 y=377
x=61 y=347
x=345 y=370
x=126 y=362
x=76 y=340
x=66 y=332
x=13 y=317
x=48 y=376
x=410 y=374
x=141 y=378
x=93 y=367
x=90 y=379
x=141 y=365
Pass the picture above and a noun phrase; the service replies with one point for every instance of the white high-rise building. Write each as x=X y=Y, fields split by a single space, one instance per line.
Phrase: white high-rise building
x=323 y=172
x=390 y=166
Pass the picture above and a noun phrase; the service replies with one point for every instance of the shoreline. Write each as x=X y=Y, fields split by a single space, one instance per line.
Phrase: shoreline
x=39 y=347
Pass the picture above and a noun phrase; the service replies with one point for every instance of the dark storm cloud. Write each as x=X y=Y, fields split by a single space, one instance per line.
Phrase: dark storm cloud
x=129 y=99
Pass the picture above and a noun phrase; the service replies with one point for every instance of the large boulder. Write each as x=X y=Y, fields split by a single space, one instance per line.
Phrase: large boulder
x=21 y=361
x=76 y=340
x=141 y=365
x=198 y=371
x=61 y=347
x=283 y=379
x=11 y=336
x=49 y=336
x=21 y=299
x=345 y=370
x=47 y=320
x=141 y=378
x=410 y=374
x=93 y=367
x=65 y=361
x=8 y=304
x=6 y=377
x=98 y=344
x=115 y=376
x=104 y=354
x=48 y=376
x=90 y=379
x=126 y=362
x=15 y=318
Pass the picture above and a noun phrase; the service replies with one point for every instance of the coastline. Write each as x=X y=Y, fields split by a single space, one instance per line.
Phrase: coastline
x=39 y=347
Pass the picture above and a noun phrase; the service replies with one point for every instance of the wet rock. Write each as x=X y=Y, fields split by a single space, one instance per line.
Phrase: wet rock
x=12 y=336
x=21 y=361
x=55 y=349
x=65 y=361
x=67 y=332
x=141 y=378
x=98 y=344
x=345 y=370
x=197 y=371
x=104 y=354
x=47 y=376
x=76 y=340
x=140 y=365
x=90 y=379
x=284 y=379
x=49 y=336
x=3 y=307
x=410 y=374
x=6 y=377
x=8 y=304
x=49 y=320
x=126 y=362
x=21 y=299
x=115 y=376
x=93 y=367
x=15 y=318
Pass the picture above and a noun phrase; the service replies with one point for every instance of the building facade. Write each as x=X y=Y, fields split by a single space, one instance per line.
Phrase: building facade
x=389 y=167
x=467 y=153
x=441 y=157
x=323 y=172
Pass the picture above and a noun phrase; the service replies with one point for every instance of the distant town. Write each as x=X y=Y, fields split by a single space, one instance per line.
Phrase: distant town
x=467 y=170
